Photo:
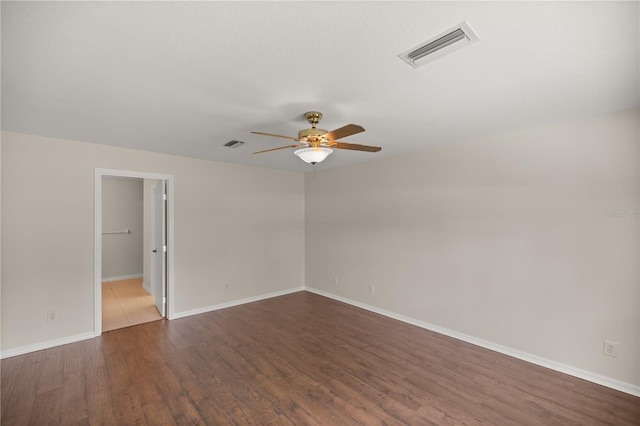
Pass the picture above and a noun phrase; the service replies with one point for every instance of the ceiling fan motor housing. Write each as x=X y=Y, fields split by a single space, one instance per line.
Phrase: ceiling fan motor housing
x=312 y=136
x=310 y=133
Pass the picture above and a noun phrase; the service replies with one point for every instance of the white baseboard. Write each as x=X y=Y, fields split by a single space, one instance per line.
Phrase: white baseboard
x=146 y=287
x=45 y=345
x=121 y=277
x=84 y=336
x=232 y=303
x=534 y=359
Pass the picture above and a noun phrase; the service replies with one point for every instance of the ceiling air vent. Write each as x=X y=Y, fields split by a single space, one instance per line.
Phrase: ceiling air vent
x=457 y=37
x=233 y=144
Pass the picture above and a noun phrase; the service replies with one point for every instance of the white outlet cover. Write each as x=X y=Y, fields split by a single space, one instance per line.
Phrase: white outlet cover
x=610 y=348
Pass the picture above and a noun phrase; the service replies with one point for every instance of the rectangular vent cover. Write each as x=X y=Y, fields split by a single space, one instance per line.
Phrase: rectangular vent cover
x=234 y=144
x=451 y=40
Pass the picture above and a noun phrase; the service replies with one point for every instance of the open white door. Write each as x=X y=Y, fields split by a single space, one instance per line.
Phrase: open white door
x=159 y=247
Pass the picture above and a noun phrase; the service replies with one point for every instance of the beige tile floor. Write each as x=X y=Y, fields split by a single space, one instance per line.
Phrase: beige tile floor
x=126 y=303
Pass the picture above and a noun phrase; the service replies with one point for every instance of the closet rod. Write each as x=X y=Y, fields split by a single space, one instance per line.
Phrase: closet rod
x=126 y=231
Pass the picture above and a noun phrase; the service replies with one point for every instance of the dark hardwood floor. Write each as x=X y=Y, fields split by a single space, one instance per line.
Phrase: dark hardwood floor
x=295 y=359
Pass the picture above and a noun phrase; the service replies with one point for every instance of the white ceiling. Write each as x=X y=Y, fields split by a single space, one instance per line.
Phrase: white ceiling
x=186 y=77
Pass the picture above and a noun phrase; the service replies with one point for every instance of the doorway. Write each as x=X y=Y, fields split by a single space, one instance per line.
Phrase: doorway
x=137 y=294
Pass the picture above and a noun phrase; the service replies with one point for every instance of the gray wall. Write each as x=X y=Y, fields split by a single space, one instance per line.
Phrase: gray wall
x=122 y=208
x=239 y=233
x=506 y=239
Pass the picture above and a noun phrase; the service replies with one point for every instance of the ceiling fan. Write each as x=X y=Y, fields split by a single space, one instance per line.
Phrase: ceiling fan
x=316 y=144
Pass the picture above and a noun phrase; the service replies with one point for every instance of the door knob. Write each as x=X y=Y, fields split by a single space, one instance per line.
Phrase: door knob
x=154 y=250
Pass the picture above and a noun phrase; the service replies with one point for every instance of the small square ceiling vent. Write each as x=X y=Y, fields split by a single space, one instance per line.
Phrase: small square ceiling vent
x=449 y=41
x=234 y=144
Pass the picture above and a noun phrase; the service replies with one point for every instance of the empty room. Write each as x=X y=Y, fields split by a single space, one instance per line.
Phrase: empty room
x=338 y=213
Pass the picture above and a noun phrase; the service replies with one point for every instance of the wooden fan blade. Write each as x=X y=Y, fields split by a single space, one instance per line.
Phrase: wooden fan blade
x=344 y=131
x=281 y=147
x=276 y=136
x=356 y=147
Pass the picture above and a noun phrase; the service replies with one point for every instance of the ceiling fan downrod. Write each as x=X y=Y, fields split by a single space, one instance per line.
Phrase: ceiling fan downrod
x=313 y=117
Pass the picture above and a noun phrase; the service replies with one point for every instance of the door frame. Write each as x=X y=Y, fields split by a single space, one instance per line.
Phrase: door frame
x=97 y=251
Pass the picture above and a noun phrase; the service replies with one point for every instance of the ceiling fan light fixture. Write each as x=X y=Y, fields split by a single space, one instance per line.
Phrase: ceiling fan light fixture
x=313 y=155
x=315 y=144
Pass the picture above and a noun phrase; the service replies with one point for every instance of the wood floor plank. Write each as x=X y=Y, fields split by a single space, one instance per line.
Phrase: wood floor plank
x=98 y=396
x=296 y=359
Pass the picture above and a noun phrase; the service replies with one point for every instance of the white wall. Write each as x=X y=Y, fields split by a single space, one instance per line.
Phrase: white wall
x=0 y=243
x=506 y=239
x=236 y=225
x=122 y=208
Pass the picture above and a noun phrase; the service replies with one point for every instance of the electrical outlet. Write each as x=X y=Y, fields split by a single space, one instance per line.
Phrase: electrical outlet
x=372 y=288
x=51 y=316
x=334 y=281
x=611 y=348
